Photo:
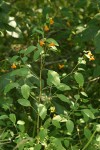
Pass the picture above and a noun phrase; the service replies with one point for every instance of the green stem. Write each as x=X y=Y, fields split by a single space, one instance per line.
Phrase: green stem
x=40 y=94
x=87 y=144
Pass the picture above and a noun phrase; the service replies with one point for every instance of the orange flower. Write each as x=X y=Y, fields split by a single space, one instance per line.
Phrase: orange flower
x=51 y=44
x=61 y=66
x=92 y=58
x=13 y=66
x=46 y=28
x=51 y=21
x=41 y=42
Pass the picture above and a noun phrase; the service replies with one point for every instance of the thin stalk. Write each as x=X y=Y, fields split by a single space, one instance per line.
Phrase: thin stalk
x=40 y=94
x=70 y=72
x=87 y=144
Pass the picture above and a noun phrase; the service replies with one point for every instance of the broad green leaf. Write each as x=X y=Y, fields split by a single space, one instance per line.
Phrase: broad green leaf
x=42 y=110
x=66 y=143
x=47 y=123
x=13 y=59
x=12 y=118
x=53 y=78
x=63 y=98
x=57 y=143
x=24 y=59
x=20 y=72
x=2 y=117
x=70 y=126
x=10 y=86
x=25 y=90
x=50 y=40
x=88 y=113
x=24 y=102
x=38 y=52
x=29 y=50
x=63 y=87
x=56 y=123
x=79 y=78
x=42 y=134
x=77 y=96
x=87 y=133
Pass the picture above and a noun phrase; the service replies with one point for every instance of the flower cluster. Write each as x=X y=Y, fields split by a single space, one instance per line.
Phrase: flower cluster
x=46 y=27
x=90 y=56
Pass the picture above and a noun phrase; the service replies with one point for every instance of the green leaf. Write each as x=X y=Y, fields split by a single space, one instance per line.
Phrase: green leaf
x=97 y=42
x=98 y=127
x=57 y=143
x=42 y=134
x=24 y=59
x=20 y=122
x=97 y=16
x=87 y=133
x=84 y=94
x=37 y=30
x=79 y=78
x=63 y=98
x=24 y=102
x=53 y=78
x=88 y=113
x=29 y=50
x=13 y=59
x=96 y=72
x=25 y=90
x=20 y=72
x=70 y=126
x=12 y=118
x=56 y=121
x=42 y=110
x=50 y=40
x=63 y=87
x=10 y=86
x=66 y=143
x=38 y=52
x=2 y=117
x=37 y=147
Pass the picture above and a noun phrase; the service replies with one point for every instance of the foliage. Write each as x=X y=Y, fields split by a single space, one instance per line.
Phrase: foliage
x=49 y=75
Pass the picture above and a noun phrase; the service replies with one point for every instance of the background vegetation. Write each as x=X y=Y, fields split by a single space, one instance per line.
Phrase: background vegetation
x=49 y=75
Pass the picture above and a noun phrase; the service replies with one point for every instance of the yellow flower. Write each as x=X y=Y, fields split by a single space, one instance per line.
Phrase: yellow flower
x=51 y=44
x=61 y=66
x=89 y=53
x=13 y=66
x=52 y=109
x=51 y=21
x=92 y=58
x=46 y=28
x=41 y=42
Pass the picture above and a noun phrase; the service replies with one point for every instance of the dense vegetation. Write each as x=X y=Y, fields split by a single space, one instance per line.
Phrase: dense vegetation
x=49 y=75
